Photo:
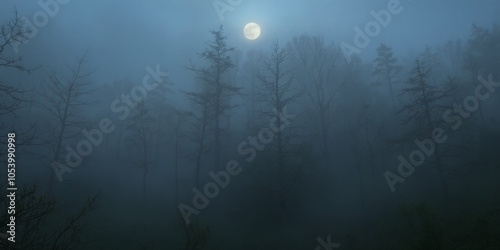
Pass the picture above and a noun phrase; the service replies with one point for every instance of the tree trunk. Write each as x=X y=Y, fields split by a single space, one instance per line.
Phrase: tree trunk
x=324 y=138
x=200 y=146
x=437 y=156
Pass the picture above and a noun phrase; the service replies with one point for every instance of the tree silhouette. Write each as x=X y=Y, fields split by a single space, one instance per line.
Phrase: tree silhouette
x=319 y=63
x=11 y=96
x=200 y=119
x=218 y=56
x=140 y=139
x=276 y=94
x=386 y=69
x=34 y=221
x=425 y=107
x=64 y=98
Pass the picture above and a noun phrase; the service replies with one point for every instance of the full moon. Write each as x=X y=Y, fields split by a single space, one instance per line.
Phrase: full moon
x=251 y=31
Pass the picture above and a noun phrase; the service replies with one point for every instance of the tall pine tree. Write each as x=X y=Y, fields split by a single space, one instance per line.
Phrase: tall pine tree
x=219 y=90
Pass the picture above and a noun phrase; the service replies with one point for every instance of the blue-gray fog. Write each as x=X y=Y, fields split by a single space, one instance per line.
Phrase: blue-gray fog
x=239 y=124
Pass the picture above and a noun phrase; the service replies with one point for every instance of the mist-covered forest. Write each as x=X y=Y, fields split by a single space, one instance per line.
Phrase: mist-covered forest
x=243 y=124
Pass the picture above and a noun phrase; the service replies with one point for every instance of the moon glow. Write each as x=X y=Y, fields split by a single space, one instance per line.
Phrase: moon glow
x=251 y=31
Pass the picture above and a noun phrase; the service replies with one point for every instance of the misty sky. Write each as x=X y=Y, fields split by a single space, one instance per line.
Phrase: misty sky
x=123 y=37
x=322 y=141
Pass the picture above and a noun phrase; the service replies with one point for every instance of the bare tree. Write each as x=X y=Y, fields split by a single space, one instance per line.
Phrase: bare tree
x=178 y=123
x=386 y=69
x=163 y=110
x=12 y=32
x=12 y=97
x=482 y=51
x=249 y=72
x=318 y=63
x=453 y=56
x=276 y=94
x=34 y=222
x=365 y=150
x=64 y=99
x=140 y=138
x=425 y=107
x=196 y=235
x=481 y=56
x=120 y=86
x=200 y=119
